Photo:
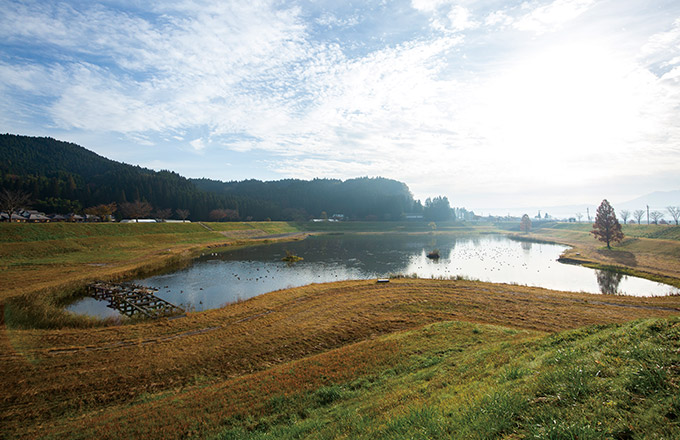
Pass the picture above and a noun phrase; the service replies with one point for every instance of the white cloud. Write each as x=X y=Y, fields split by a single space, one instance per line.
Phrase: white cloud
x=197 y=144
x=461 y=19
x=549 y=17
x=581 y=105
x=33 y=79
x=428 y=5
x=140 y=139
x=662 y=50
x=332 y=20
x=498 y=18
x=169 y=73
x=105 y=32
x=446 y=16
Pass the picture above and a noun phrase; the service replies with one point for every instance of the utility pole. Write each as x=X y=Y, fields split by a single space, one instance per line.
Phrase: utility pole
x=647 y=214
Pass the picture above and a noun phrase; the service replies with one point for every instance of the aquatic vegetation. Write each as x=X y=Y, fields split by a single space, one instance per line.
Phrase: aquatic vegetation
x=291 y=258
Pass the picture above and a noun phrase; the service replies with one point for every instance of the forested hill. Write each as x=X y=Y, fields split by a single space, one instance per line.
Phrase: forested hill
x=24 y=155
x=62 y=177
x=362 y=198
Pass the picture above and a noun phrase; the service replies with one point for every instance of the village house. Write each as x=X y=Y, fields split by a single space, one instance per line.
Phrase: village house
x=33 y=216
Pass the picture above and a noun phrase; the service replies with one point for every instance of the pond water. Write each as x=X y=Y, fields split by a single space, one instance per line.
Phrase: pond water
x=216 y=279
x=93 y=307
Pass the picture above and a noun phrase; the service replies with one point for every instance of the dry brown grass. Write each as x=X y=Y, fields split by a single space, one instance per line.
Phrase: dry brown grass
x=63 y=374
x=72 y=376
x=40 y=257
x=645 y=255
x=42 y=266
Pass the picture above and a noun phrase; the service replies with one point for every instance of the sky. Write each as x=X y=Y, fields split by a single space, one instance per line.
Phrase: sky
x=492 y=103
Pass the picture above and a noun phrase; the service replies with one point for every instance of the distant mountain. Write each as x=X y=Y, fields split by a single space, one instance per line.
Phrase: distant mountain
x=64 y=177
x=657 y=201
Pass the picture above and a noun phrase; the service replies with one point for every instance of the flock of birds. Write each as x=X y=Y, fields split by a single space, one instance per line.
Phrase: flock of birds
x=474 y=261
x=468 y=261
x=486 y=261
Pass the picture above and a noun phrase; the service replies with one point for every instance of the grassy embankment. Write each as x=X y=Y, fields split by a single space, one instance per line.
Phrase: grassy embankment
x=648 y=251
x=44 y=265
x=410 y=359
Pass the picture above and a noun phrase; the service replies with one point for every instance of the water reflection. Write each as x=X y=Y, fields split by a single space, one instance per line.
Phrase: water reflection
x=93 y=307
x=608 y=281
x=221 y=278
x=216 y=279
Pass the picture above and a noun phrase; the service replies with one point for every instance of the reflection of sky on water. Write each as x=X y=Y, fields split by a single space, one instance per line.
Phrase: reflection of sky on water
x=217 y=279
x=93 y=307
x=501 y=260
x=214 y=283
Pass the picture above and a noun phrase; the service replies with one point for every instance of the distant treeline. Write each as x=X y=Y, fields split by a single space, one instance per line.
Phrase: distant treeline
x=63 y=177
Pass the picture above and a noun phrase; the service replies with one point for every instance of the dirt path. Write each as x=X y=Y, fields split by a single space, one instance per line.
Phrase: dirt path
x=206 y=227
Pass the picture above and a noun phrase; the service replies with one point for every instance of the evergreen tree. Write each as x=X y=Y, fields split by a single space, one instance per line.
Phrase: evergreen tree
x=437 y=209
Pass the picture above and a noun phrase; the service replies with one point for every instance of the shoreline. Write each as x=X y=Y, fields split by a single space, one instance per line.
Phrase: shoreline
x=54 y=292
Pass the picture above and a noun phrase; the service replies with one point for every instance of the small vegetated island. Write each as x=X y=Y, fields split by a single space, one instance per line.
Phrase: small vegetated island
x=291 y=258
x=411 y=358
x=433 y=255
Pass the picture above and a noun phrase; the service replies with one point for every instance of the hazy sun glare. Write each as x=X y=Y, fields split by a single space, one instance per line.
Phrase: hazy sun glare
x=576 y=102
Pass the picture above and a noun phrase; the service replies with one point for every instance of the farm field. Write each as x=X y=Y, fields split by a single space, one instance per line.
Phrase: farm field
x=411 y=358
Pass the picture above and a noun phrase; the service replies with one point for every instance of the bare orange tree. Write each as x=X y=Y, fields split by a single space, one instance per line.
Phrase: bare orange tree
x=606 y=227
x=182 y=214
x=136 y=210
x=103 y=211
x=162 y=213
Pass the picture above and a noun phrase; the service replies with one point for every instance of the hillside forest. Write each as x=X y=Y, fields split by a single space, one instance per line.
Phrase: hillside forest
x=63 y=178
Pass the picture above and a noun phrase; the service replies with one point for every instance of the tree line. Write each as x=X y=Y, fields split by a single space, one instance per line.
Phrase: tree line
x=63 y=178
x=653 y=217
